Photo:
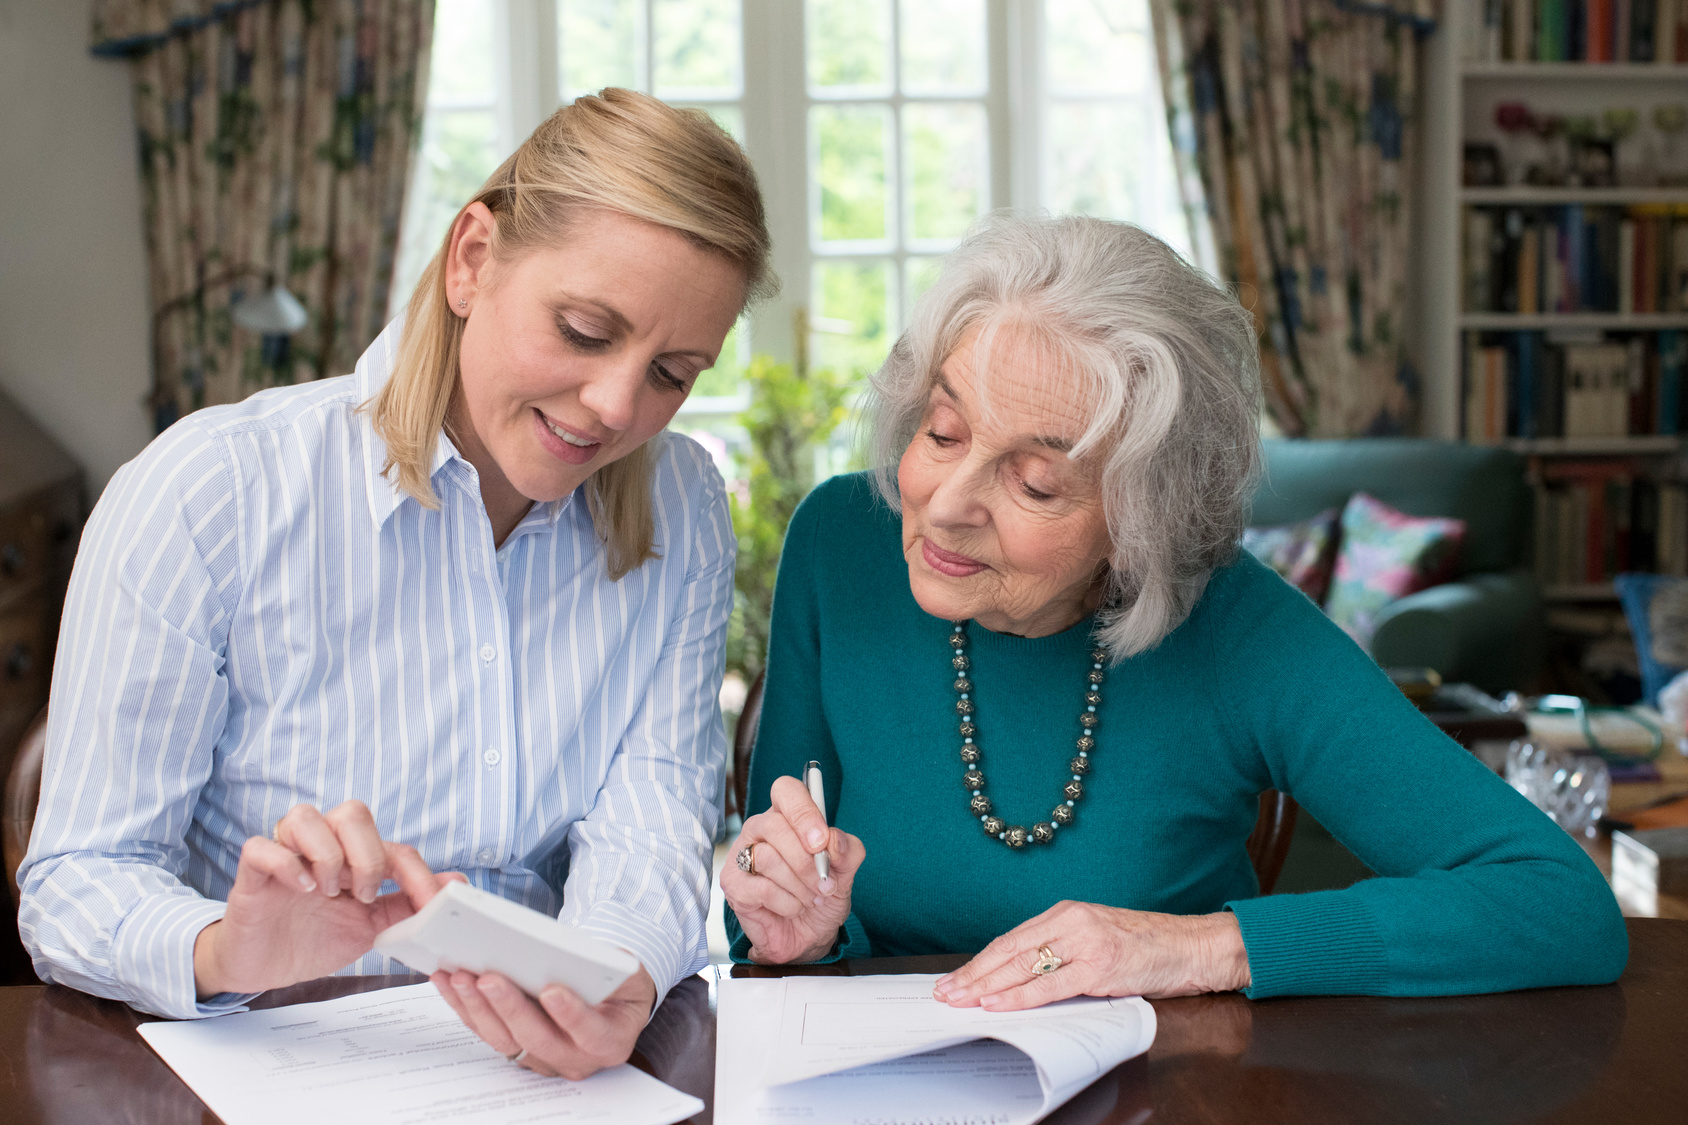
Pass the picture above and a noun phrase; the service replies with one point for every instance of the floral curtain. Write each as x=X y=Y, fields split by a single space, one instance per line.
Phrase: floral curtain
x=1295 y=121
x=275 y=141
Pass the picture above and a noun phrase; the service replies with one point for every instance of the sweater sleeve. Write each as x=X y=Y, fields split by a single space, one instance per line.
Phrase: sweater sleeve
x=793 y=730
x=1476 y=890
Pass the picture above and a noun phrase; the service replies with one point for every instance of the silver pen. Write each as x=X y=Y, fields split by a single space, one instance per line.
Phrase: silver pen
x=812 y=779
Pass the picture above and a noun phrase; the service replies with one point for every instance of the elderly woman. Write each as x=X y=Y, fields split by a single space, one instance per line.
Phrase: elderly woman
x=1045 y=689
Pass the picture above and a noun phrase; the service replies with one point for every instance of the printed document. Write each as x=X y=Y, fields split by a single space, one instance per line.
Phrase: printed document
x=844 y=1050
x=399 y=1056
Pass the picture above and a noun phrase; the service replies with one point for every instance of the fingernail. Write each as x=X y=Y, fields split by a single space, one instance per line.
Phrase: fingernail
x=366 y=896
x=826 y=885
x=816 y=838
x=990 y=1002
x=943 y=981
x=819 y=901
x=938 y=993
x=307 y=882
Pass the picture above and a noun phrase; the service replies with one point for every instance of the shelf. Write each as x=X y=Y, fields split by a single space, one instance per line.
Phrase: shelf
x=1580 y=592
x=1591 y=72
x=1612 y=321
x=1596 y=446
x=1525 y=195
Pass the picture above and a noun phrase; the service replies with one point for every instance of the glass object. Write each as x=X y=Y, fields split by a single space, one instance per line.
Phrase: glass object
x=600 y=43
x=696 y=49
x=1572 y=789
x=460 y=63
x=852 y=318
x=943 y=46
x=849 y=47
x=1098 y=46
x=848 y=161
x=945 y=162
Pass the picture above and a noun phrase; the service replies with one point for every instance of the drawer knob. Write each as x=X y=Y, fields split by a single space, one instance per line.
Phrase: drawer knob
x=12 y=558
x=18 y=661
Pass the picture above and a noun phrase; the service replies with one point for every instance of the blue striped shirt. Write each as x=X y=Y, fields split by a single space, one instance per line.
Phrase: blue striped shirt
x=258 y=618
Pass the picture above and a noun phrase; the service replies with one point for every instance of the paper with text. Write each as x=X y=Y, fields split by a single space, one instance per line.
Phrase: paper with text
x=851 y=1050
x=399 y=1056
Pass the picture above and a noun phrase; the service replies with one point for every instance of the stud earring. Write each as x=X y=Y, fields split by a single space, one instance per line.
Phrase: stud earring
x=462 y=302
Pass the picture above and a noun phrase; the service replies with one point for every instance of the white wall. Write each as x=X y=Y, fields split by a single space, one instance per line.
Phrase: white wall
x=73 y=276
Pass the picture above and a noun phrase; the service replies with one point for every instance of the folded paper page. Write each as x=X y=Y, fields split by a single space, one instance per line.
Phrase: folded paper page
x=399 y=1056
x=849 y=1049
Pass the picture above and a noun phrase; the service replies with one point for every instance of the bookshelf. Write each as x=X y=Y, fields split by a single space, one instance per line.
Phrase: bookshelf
x=1607 y=476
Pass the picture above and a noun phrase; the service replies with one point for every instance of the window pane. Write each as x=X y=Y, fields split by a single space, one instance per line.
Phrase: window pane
x=600 y=43
x=723 y=378
x=849 y=45
x=852 y=316
x=1098 y=46
x=728 y=116
x=456 y=158
x=943 y=45
x=849 y=145
x=460 y=69
x=697 y=48
x=918 y=276
x=945 y=162
x=1129 y=176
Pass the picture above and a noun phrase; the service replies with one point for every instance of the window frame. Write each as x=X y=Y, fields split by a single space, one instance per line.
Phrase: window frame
x=774 y=102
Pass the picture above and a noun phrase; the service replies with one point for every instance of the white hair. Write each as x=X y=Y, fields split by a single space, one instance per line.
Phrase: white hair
x=1168 y=360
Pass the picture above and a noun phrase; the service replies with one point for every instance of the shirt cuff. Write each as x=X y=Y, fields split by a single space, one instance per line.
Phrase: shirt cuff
x=1322 y=944
x=152 y=954
x=652 y=944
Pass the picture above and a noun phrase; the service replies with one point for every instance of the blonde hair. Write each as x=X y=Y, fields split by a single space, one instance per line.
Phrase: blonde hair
x=619 y=151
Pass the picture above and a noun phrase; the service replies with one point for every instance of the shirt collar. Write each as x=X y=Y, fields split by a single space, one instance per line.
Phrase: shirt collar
x=374 y=368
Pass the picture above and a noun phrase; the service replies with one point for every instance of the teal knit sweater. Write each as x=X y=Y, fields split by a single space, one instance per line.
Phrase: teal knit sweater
x=1476 y=890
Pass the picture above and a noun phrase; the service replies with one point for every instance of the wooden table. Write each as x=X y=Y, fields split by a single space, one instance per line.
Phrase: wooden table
x=1631 y=796
x=1607 y=1055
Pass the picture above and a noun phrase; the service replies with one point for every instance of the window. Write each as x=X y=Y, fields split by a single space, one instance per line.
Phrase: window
x=880 y=130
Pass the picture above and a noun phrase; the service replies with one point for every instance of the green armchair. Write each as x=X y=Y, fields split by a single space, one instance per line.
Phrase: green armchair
x=1486 y=627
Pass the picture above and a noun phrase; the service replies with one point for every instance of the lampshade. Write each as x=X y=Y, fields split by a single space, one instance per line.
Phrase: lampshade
x=275 y=313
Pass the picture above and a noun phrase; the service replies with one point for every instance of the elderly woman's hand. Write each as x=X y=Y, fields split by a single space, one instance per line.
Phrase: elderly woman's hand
x=1104 y=951
x=787 y=910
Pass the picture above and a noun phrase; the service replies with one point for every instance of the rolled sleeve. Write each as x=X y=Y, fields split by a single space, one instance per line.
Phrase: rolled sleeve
x=130 y=740
x=639 y=871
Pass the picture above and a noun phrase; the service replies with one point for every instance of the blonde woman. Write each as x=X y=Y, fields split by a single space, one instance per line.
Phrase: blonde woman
x=461 y=611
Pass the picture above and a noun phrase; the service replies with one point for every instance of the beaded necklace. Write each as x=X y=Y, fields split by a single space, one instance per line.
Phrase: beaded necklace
x=1043 y=832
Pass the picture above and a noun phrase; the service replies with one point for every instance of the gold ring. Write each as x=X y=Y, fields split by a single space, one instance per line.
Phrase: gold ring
x=1046 y=962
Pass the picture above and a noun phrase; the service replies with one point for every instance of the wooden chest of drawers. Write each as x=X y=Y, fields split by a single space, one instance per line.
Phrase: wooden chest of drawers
x=41 y=511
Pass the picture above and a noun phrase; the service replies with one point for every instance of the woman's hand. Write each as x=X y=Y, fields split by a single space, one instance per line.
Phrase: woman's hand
x=1104 y=951
x=787 y=910
x=308 y=902
x=560 y=1033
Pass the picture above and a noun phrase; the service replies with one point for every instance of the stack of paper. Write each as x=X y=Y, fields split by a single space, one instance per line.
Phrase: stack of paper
x=846 y=1049
x=399 y=1056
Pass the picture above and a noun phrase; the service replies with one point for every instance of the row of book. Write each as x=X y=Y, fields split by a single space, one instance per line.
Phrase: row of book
x=1598 y=519
x=1573 y=384
x=1595 y=31
x=1577 y=258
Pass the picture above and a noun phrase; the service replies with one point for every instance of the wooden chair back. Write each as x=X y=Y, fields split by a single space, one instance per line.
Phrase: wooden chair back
x=1268 y=844
x=22 y=794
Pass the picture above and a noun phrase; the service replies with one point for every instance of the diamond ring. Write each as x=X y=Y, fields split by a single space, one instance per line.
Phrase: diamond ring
x=1046 y=962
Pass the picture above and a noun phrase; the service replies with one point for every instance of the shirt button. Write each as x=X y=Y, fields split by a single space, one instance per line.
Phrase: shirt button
x=491 y=756
x=486 y=855
x=487 y=653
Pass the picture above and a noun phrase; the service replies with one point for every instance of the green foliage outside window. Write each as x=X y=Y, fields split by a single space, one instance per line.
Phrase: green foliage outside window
x=792 y=411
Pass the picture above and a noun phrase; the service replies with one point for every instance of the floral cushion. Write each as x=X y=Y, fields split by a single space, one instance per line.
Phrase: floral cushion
x=1385 y=555
x=1303 y=553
